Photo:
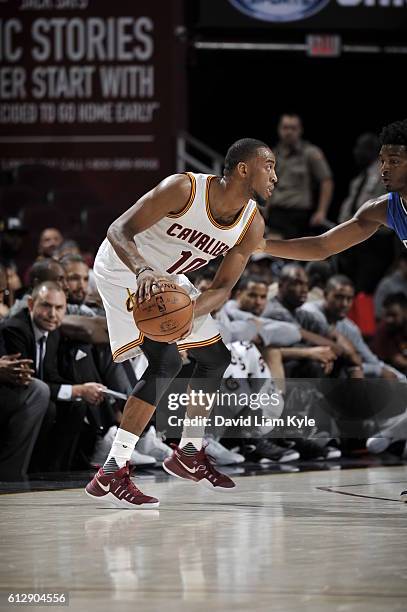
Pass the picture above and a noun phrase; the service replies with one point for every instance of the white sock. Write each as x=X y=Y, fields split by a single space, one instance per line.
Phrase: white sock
x=192 y=436
x=122 y=448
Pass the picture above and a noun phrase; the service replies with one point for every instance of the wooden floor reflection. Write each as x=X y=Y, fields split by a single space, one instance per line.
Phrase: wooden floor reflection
x=309 y=541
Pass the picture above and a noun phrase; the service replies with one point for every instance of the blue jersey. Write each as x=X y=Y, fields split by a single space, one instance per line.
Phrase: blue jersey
x=397 y=216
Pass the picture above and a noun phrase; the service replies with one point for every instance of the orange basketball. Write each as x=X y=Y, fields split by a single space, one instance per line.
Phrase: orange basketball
x=166 y=316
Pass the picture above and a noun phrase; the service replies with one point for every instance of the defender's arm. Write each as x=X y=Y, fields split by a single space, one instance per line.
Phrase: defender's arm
x=363 y=225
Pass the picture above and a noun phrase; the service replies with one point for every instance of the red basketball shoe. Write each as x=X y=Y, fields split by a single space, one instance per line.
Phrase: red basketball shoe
x=119 y=490
x=198 y=467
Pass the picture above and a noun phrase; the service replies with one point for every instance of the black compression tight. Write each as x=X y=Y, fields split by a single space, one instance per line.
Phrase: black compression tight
x=165 y=363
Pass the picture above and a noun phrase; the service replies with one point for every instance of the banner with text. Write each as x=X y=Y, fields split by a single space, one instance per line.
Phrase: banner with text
x=93 y=90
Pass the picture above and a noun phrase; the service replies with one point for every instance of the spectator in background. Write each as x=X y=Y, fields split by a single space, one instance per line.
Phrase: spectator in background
x=367 y=184
x=68 y=247
x=396 y=282
x=246 y=312
x=34 y=334
x=313 y=361
x=301 y=166
x=339 y=295
x=390 y=340
x=335 y=353
x=286 y=306
x=365 y=263
x=23 y=405
x=77 y=279
x=41 y=271
x=318 y=275
x=50 y=240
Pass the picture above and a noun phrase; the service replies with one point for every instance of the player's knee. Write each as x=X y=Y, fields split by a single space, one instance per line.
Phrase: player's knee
x=170 y=368
x=215 y=360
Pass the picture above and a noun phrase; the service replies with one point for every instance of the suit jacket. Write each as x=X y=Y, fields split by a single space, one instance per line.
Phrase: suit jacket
x=65 y=363
x=18 y=334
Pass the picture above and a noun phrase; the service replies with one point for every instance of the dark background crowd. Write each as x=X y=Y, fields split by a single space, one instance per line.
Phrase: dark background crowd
x=337 y=326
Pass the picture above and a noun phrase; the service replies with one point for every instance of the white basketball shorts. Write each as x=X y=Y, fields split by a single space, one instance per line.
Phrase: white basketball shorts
x=116 y=283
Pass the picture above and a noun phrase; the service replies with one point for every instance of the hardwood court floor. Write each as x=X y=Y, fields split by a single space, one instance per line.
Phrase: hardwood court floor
x=310 y=542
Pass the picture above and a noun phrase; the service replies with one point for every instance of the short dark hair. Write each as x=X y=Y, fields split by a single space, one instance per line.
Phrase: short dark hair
x=253 y=278
x=337 y=280
x=395 y=298
x=241 y=151
x=291 y=114
x=394 y=134
x=39 y=271
x=318 y=272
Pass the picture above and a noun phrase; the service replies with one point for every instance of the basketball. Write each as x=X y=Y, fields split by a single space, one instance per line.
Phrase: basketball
x=166 y=316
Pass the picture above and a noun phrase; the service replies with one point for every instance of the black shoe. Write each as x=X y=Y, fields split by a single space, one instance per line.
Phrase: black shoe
x=309 y=450
x=403 y=496
x=266 y=451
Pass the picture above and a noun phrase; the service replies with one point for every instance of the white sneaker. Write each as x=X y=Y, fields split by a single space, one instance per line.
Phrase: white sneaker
x=152 y=444
x=103 y=446
x=222 y=455
x=378 y=445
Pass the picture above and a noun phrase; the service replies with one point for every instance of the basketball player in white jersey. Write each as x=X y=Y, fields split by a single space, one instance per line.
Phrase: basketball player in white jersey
x=177 y=227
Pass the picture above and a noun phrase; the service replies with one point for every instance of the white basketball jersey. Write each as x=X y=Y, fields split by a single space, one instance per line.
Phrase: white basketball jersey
x=188 y=240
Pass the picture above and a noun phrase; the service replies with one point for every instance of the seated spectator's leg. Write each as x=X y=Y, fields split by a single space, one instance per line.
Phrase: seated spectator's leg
x=41 y=452
x=117 y=376
x=21 y=414
x=65 y=434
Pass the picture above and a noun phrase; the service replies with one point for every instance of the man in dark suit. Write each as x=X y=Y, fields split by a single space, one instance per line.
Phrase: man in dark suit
x=23 y=404
x=35 y=334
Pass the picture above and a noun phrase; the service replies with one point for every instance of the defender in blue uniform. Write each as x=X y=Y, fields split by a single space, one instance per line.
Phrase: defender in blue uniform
x=389 y=210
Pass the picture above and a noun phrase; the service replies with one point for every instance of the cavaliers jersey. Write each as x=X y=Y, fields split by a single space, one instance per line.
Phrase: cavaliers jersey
x=397 y=216
x=188 y=240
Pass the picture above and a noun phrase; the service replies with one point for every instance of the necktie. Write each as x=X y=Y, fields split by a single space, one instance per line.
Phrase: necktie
x=40 y=367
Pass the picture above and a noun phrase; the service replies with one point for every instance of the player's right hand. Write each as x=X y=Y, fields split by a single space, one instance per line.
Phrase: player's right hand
x=149 y=283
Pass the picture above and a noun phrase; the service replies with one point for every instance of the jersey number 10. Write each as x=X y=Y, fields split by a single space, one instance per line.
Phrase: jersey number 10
x=196 y=263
